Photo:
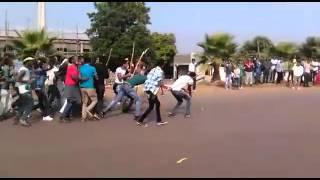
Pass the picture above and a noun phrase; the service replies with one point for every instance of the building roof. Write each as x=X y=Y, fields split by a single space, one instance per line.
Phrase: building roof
x=58 y=35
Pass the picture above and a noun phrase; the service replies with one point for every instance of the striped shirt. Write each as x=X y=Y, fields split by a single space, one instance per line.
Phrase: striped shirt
x=154 y=77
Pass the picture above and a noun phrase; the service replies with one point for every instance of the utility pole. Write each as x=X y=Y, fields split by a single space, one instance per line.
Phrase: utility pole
x=77 y=50
x=6 y=31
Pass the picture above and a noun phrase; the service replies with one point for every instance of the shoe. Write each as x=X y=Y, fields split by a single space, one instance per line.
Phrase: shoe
x=24 y=123
x=142 y=124
x=171 y=114
x=187 y=116
x=47 y=118
x=97 y=117
x=162 y=123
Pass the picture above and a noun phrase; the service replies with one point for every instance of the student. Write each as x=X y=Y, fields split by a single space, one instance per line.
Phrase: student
x=297 y=73
x=121 y=75
x=279 y=69
x=151 y=87
x=25 y=101
x=127 y=89
x=51 y=83
x=103 y=74
x=71 y=90
x=307 y=73
x=87 y=75
x=181 y=89
x=43 y=102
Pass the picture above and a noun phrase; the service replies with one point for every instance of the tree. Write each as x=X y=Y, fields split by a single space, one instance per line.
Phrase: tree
x=311 y=48
x=260 y=46
x=164 y=49
x=286 y=50
x=217 y=47
x=33 y=43
x=117 y=25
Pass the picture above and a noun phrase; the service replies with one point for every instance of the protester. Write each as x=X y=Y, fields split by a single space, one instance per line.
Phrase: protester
x=237 y=76
x=181 y=89
x=52 y=83
x=279 y=70
x=151 y=87
x=266 y=71
x=71 y=90
x=88 y=92
x=258 y=72
x=127 y=89
x=314 y=70
x=43 y=102
x=25 y=101
x=121 y=75
x=103 y=74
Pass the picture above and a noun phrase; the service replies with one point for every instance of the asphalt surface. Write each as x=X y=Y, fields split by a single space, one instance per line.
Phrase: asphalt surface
x=253 y=132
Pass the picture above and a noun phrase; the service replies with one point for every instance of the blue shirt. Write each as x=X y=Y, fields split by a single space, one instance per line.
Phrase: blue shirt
x=87 y=71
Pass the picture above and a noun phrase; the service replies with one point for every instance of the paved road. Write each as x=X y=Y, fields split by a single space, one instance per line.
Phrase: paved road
x=255 y=132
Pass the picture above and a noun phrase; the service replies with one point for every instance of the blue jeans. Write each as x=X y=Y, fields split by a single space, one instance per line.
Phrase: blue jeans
x=228 y=81
x=126 y=90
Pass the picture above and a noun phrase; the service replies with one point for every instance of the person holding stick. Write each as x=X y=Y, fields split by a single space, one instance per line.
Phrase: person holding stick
x=151 y=87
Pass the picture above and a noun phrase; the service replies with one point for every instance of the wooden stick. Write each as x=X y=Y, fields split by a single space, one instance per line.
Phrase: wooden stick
x=133 y=46
x=143 y=53
x=109 y=57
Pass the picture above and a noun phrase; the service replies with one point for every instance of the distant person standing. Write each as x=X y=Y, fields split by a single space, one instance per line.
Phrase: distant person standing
x=297 y=73
x=192 y=68
x=290 y=71
x=274 y=62
x=248 y=68
x=307 y=73
x=266 y=70
x=314 y=71
x=228 y=70
x=279 y=70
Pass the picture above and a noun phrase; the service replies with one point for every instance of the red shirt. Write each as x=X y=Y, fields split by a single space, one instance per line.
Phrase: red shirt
x=72 y=70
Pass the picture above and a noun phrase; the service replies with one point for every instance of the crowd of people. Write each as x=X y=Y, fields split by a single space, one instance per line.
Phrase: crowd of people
x=276 y=70
x=62 y=86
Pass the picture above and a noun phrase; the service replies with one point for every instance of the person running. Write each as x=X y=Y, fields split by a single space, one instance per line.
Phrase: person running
x=71 y=90
x=181 y=89
x=43 y=102
x=151 y=87
x=87 y=75
x=120 y=75
x=103 y=74
x=127 y=89
x=51 y=83
x=297 y=73
x=25 y=101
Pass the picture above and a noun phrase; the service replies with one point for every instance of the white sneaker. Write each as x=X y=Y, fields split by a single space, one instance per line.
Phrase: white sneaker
x=47 y=118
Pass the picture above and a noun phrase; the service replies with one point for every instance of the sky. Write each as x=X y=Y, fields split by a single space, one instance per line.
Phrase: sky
x=189 y=21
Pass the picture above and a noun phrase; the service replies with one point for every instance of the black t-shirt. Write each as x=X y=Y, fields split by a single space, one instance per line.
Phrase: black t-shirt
x=102 y=73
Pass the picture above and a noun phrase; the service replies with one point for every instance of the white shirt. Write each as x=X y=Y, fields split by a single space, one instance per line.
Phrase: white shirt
x=237 y=72
x=51 y=75
x=315 y=65
x=274 y=62
x=297 y=70
x=307 y=67
x=23 y=86
x=181 y=82
x=120 y=71
x=192 y=67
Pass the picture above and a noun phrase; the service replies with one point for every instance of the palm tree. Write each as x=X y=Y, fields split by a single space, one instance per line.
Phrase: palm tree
x=258 y=46
x=311 y=48
x=216 y=48
x=34 y=44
